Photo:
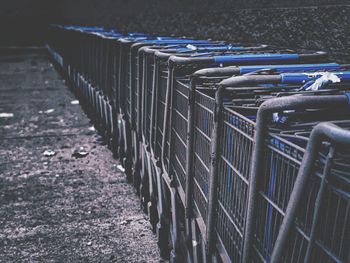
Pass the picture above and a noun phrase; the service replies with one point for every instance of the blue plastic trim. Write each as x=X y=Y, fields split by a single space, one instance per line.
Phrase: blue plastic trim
x=205 y=48
x=290 y=68
x=176 y=41
x=255 y=58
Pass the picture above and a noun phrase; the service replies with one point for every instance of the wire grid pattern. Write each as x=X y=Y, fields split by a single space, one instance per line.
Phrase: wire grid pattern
x=134 y=79
x=333 y=229
x=179 y=127
x=236 y=144
x=160 y=101
x=147 y=111
x=203 y=125
x=127 y=89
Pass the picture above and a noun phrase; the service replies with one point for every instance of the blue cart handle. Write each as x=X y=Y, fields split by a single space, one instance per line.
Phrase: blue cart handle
x=255 y=58
x=177 y=41
x=290 y=68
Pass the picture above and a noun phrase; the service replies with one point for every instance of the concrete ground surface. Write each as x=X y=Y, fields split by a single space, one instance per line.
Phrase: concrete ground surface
x=60 y=208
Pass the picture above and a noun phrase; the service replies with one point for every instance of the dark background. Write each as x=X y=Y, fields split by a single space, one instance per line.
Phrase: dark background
x=319 y=24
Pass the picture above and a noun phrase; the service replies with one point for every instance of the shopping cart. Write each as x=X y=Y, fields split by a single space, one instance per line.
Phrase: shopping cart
x=263 y=173
x=177 y=138
x=326 y=161
x=185 y=67
x=126 y=77
x=144 y=86
x=136 y=90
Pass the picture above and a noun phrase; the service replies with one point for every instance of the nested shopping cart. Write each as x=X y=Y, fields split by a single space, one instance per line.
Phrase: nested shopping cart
x=250 y=183
x=135 y=94
x=157 y=113
x=326 y=161
x=136 y=77
x=180 y=104
x=141 y=95
x=126 y=78
x=145 y=87
x=185 y=94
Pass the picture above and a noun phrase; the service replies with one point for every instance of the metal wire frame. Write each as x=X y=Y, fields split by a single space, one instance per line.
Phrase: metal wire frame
x=147 y=183
x=153 y=105
x=203 y=126
x=158 y=136
x=127 y=89
x=125 y=151
x=178 y=140
x=159 y=133
x=179 y=127
x=331 y=198
x=161 y=78
x=104 y=79
x=302 y=242
x=129 y=78
x=146 y=55
x=94 y=79
x=236 y=141
x=102 y=82
x=141 y=80
x=178 y=146
x=173 y=97
x=135 y=111
x=183 y=61
x=260 y=161
x=238 y=175
x=160 y=190
x=172 y=147
x=179 y=104
x=235 y=170
x=141 y=90
x=112 y=99
x=134 y=100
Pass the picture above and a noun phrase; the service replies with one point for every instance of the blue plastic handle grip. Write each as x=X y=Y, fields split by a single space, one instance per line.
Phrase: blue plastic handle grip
x=220 y=48
x=176 y=41
x=211 y=48
x=290 y=68
x=301 y=78
x=255 y=58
